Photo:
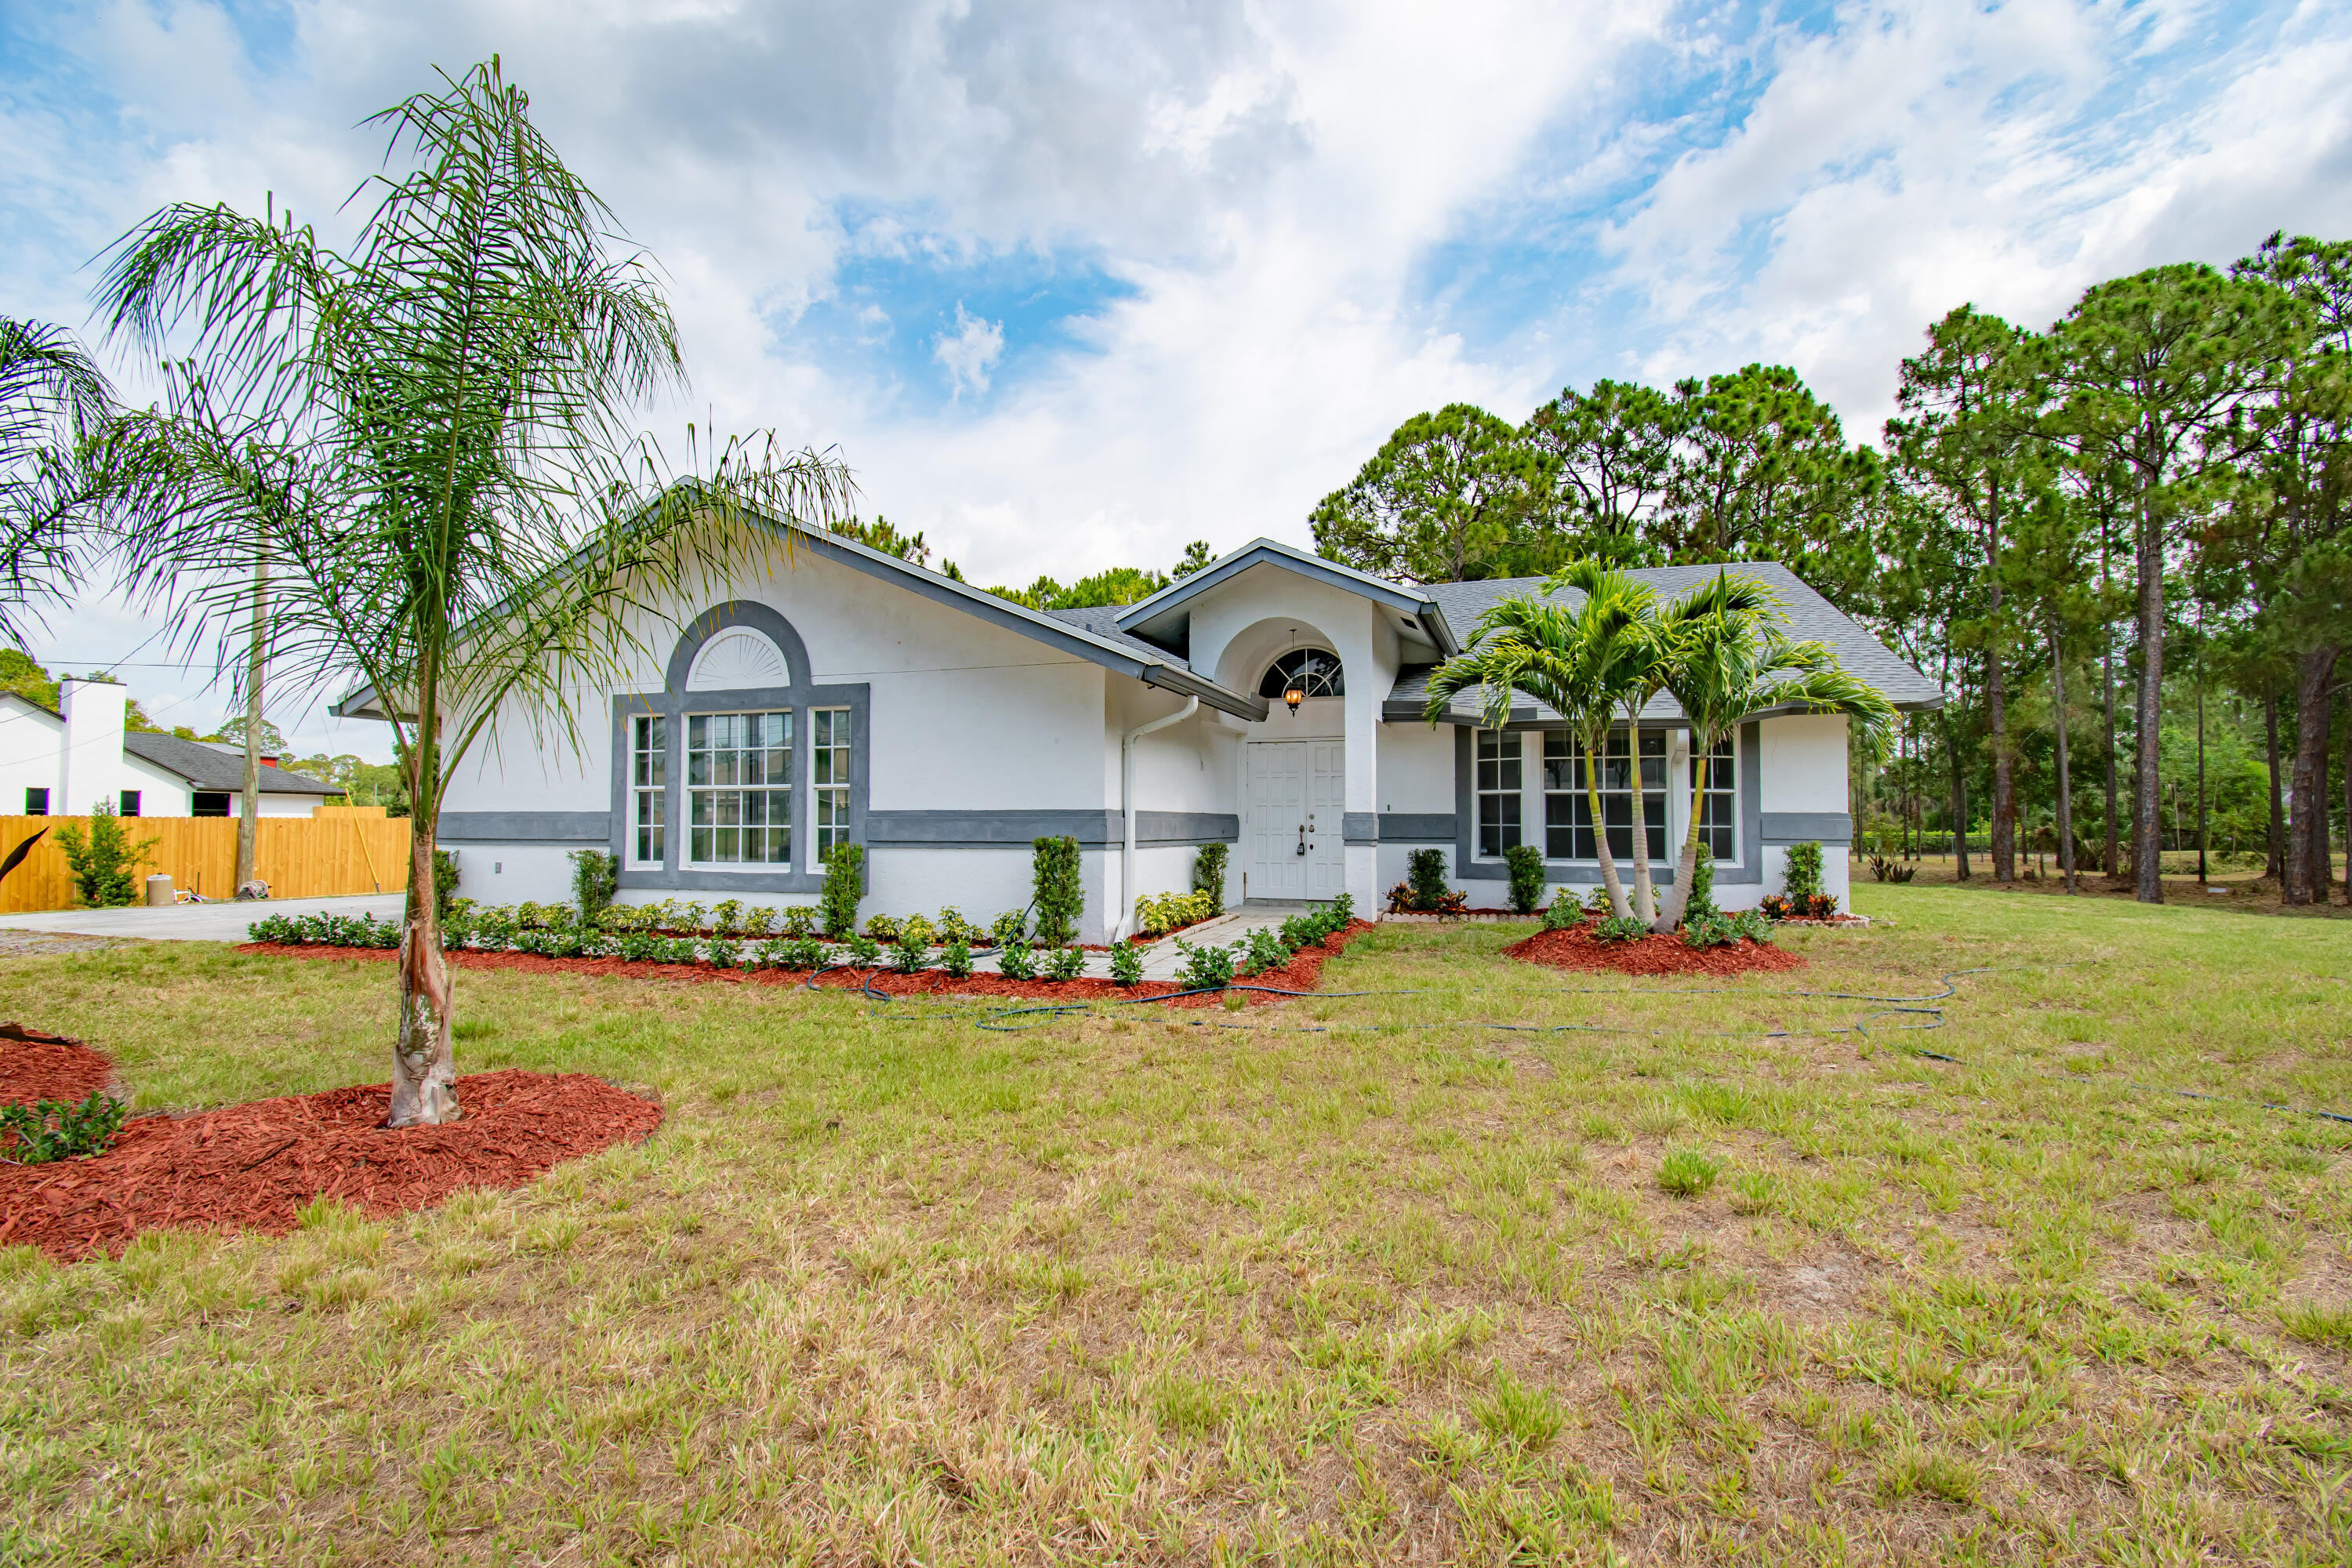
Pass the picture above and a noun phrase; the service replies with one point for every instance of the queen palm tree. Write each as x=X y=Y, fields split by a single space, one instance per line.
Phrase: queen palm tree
x=1578 y=662
x=1728 y=659
x=423 y=442
x=52 y=400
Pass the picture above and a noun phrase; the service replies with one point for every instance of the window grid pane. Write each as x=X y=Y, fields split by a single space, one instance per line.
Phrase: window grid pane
x=1718 y=811
x=1567 y=808
x=1499 y=754
x=829 y=778
x=738 y=770
x=649 y=780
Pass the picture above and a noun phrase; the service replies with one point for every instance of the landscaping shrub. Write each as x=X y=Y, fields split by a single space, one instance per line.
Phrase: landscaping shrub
x=799 y=920
x=1563 y=911
x=1424 y=873
x=100 y=860
x=1265 y=950
x=882 y=928
x=1209 y=875
x=912 y=954
x=1619 y=927
x=1008 y=927
x=641 y=946
x=801 y=953
x=1686 y=1173
x=1058 y=892
x=445 y=882
x=724 y=952
x=1205 y=968
x=595 y=878
x=1802 y=883
x=727 y=917
x=1701 y=904
x=1526 y=864
x=953 y=927
x=1125 y=965
x=1012 y=960
x=760 y=923
x=1067 y=963
x=844 y=886
x=1172 y=911
x=863 y=952
x=956 y=958
x=917 y=928
x=1720 y=930
x=680 y=950
x=1596 y=901
x=59 y=1128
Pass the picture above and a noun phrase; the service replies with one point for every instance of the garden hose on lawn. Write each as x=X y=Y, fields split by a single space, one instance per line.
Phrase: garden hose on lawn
x=1018 y=1020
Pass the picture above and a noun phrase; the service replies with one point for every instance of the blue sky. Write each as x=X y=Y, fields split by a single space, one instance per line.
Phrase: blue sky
x=1071 y=285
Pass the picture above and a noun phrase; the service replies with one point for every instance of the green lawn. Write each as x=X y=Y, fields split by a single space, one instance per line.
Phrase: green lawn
x=1155 y=1288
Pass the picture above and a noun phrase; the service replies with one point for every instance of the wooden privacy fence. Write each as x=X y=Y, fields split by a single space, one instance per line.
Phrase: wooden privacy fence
x=336 y=849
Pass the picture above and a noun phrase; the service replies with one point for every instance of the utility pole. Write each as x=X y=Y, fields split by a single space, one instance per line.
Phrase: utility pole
x=250 y=806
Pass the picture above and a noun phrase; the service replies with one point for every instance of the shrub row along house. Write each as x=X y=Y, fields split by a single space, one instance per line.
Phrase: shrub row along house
x=1272 y=702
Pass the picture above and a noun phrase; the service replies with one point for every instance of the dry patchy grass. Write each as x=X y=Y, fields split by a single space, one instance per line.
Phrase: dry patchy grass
x=1345 y=1279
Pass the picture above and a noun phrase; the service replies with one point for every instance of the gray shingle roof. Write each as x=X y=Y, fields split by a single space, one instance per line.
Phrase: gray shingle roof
x=1103 y=621
x=1809 y=617
x=208 y=767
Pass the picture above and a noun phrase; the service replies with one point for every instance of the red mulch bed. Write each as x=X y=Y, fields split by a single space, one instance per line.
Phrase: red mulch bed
x=1301 y=973
x=37 y=1066
x=254 y=1166
x=1661 y=952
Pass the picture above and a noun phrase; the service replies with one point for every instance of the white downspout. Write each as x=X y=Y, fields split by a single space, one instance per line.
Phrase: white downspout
x=1126 y=926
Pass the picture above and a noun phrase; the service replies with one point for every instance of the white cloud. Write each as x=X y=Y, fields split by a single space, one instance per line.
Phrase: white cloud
x=969 y=351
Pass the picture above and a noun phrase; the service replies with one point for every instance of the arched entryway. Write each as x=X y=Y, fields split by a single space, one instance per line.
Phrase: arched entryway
x=1294 y=765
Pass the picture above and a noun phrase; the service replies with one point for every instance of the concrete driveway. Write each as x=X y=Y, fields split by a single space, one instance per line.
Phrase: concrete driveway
x=193 y=922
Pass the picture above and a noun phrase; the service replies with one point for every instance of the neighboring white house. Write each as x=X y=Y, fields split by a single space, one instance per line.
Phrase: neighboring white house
x=850 y=697
x=63 y=764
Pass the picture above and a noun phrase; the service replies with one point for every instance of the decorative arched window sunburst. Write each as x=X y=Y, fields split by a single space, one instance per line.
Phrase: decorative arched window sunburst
x=1312 y=671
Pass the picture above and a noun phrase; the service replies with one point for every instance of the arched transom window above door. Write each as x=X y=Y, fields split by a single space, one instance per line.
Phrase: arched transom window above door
x=1313 y=672
x=737 y=659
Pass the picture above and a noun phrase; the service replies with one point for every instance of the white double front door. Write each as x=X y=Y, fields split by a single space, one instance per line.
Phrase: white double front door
x=1296 y=793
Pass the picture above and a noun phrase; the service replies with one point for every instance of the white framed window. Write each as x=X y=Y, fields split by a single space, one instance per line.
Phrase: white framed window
x=739 y=789
x=1567 y=808
x=648 y=788
x=1718 y=809
x=828 y=780
x=1499 y=754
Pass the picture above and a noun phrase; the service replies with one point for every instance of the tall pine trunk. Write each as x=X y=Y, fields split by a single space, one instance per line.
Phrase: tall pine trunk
x=2111 y=863
x=2307 y=860
x=2147 y=845
x=1959 y=802
x=2274 y=863
x=2065 y=784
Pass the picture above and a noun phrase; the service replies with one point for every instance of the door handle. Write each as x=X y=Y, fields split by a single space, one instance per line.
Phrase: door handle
x=1302 y=839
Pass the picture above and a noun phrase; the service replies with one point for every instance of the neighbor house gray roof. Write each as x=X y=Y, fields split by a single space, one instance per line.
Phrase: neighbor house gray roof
x=211 y=767
x=1809 y=617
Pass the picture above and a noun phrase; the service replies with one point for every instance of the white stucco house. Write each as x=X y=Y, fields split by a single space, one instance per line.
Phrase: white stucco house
x=851 y=696
x=62 y=762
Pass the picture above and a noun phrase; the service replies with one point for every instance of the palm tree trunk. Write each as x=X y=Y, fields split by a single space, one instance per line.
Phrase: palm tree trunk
x=1686 y=863
x=1645 y=891
x=423 y=1062
x=1608 y=878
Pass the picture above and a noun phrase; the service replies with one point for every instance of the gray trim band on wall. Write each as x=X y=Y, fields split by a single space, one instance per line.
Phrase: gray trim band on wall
x=1360 y=827
x=1417 y=826
x=1798 y=826
x=1016 y=829
x=523 y=827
